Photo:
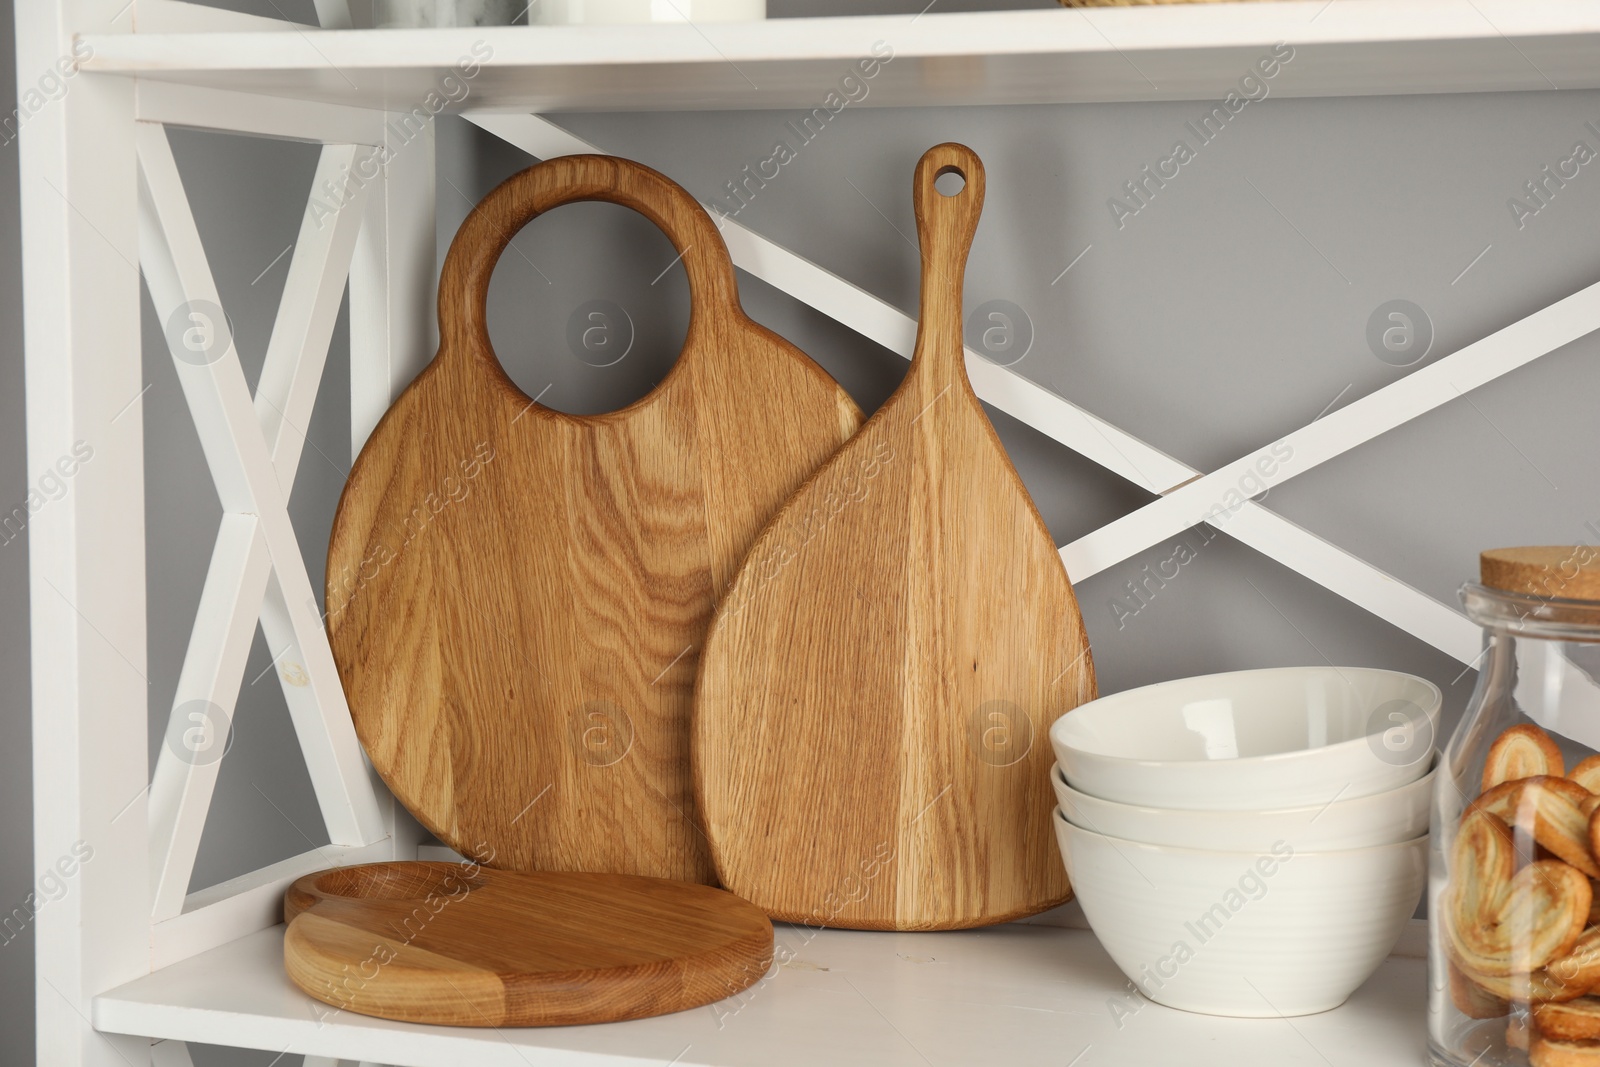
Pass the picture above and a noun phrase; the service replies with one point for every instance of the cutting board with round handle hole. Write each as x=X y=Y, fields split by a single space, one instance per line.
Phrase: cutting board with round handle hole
x=517 y=597
x=461 y=945
x=871 y=714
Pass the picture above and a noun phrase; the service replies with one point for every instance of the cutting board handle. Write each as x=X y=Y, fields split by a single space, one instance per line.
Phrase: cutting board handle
x=945 y=226
x=517 y=201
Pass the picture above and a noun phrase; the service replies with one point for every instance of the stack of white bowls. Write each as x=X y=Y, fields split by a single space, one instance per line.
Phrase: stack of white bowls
x=1253 y=843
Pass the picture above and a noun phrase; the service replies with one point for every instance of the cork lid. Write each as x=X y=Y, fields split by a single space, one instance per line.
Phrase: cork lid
x=1568 y=572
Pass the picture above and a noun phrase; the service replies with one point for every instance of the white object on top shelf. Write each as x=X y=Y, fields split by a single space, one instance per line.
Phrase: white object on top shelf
x=1188 y=51
x=607 y=12
x=397 y=13
x=1018 y=995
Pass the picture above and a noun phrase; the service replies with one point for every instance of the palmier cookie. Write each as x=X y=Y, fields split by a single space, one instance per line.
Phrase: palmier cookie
x=1594 y=831
x=1501 y=799
x=1522 y=752
x=1580 y=965
x=1548 y=1052
x=1557 y=823
x=1551 y=811
x=1576 y=1020
x=1519 y=1031
x=1540 y=987
x=1502 y=923
x=1587 y=774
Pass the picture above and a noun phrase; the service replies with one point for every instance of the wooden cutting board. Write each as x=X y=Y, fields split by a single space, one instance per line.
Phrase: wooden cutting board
x=462 y=945
x=870 y=742
x=517 y=597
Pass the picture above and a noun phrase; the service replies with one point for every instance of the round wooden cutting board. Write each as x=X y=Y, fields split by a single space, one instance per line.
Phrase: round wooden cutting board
x=517 y=597
x=462 y=945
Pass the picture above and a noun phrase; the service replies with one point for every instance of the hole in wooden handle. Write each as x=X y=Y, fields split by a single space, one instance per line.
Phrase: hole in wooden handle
x=950 y=180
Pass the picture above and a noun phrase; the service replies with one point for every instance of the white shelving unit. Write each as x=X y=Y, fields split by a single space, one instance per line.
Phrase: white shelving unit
x=130 y=965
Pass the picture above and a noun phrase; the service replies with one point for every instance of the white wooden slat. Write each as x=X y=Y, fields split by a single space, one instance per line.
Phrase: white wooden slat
x=264 y=116
x=312 y=293
x=393 y=281
x=286 y=392
x=236 y=908
x=186 y=302
x=177 y=16
x=1085 y=433
x=1412 y=396
x=393 y=292
x=292 y=624
x=86 y=593
x=180 y=280
x=213 y=668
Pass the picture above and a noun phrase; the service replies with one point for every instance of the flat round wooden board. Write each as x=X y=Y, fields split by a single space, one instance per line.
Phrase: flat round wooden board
x=517 y=597
x=461 y=945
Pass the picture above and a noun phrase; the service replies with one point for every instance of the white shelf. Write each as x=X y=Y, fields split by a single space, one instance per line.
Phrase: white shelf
x=1019 y=995
x=1348 y=47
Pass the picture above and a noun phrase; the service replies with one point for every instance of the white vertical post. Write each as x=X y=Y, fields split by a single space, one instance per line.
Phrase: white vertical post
x=393 y=335
x=393 y=279
x=90 y=700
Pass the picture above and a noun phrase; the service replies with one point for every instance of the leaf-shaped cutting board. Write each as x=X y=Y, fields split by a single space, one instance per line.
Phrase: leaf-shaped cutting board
x=460 y=945
x=870 y=744
x=517 y=597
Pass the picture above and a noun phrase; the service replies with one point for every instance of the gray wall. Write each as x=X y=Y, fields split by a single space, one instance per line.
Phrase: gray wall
x=1230 y=309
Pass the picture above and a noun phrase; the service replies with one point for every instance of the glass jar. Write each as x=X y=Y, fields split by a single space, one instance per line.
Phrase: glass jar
x=1514 y=883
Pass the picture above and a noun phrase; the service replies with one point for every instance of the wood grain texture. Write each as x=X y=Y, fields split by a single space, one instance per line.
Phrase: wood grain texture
x=462 y=945
x=1567 y=572
x=517 y=597
x=870 y=725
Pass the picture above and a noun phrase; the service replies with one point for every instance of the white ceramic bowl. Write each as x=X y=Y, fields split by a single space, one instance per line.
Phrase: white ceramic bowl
x=1380 y=819
x=1246 y=934
x=1252 y=740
